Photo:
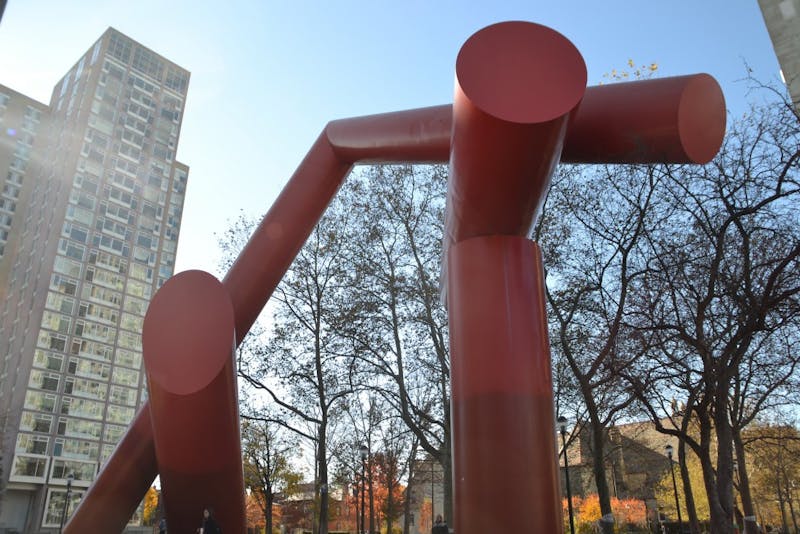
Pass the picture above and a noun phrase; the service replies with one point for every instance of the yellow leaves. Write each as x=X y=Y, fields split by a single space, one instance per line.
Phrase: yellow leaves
x=636 y=73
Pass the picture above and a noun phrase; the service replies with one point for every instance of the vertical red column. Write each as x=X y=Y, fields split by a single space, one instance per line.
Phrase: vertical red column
x=517 y=84
x=506 y=475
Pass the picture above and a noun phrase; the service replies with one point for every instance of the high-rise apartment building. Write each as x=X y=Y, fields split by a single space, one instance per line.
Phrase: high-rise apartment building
x=782 y=18
x=89 y=220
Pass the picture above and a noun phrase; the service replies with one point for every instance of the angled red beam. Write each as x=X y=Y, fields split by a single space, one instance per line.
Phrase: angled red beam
x=111 y=500
x=109 y=503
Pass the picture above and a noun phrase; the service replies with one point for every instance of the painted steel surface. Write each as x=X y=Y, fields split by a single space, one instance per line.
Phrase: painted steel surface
x=509 y=123
x=121 y=484
x=188 y=344
x=520 y=107
x=505 y=476
x=504 y=461
x=668 y=120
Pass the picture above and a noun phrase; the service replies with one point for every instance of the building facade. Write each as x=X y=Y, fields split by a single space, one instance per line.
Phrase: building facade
x=92 y=235
x=782 y=18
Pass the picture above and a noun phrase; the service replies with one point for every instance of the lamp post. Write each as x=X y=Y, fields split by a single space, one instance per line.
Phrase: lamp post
x=562 y=425
x=355 y=498
x=364 y=453
x=70 y=478
x=432 y=516
x=668 y=448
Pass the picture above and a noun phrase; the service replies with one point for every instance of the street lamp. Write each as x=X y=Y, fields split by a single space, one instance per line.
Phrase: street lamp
x=355 y=498
x=431 y=490
x=70 y=478
x=668 y=448
x=562 y=425
x=364 y=451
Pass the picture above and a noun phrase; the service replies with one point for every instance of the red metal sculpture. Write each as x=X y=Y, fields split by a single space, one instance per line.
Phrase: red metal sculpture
x=521 y=106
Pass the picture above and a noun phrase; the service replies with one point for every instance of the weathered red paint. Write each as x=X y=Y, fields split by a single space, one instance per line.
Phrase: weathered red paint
x=188 y=343
x=505 y=475
x=669 y=120
x=508 y=100
x=521 y=106
x=122 y=483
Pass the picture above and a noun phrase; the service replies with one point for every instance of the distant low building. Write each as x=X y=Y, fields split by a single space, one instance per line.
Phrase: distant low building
x=299 y=510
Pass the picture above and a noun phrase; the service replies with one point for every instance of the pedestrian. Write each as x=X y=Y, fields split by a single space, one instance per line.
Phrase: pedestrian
x=162 y=526
x=440 y=527
x=209 y=523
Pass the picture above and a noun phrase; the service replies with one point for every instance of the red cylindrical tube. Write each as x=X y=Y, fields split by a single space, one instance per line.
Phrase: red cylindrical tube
x=516 y=84
x=666 y=120
x=505 y=475
x=113 y=497
x=286 y=226
x=188 y=341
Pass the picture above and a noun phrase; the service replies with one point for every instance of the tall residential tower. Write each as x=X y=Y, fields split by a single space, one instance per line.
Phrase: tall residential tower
x=91 y=233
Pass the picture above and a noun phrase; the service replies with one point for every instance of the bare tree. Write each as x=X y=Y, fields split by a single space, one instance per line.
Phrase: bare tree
x=722 y=283
x=298 y=365
x=593 y=226
x=267 y=468
x=395 y=322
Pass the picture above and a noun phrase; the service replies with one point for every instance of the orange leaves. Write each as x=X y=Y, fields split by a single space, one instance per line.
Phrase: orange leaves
x=587 y=512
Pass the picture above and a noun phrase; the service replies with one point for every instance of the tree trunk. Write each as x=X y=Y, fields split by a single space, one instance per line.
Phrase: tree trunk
x=407 y=508
x=750 y=527
x=717 y=479
x=389 y=505
x=322 y=485
x=371 y=497
x=790 y=501
x=784 y=526
x=446 y=461
x=691 y=509
x=268 y=513
x=599 y=470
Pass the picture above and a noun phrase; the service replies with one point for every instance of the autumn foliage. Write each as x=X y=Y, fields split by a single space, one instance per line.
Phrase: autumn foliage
x=627 y=513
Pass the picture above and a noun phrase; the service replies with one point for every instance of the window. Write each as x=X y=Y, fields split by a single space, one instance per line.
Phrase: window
x=36 y=422
x=88 y=409
x=85 y=388
x=128 y=358
x=119 y=414
x=29 y=443
x=126 y=377
x=26 y=468
x=79 y=428
x=113 y=433
x=176 y=80
x=56 y=504
x=120 y=48
x=52 y=341
x=132 y=322
x=56 y=321
x=66 y=266
x=58 y=302
x=71 y=249
x=82 y=471
x=78 y=449
x=63 y=284
x=39 y=400
x=122 y=395
x=48 y=360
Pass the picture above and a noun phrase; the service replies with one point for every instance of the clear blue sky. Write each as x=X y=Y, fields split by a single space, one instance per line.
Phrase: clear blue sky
x=268 y=75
